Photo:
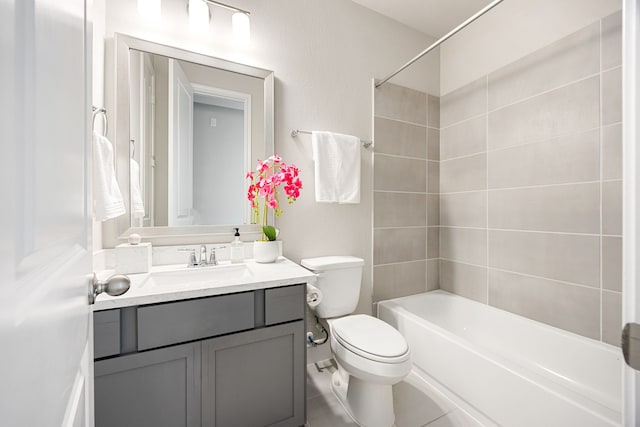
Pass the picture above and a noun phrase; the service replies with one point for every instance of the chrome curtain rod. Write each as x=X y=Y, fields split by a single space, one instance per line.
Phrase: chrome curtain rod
x=295 y=132
x=441 y=40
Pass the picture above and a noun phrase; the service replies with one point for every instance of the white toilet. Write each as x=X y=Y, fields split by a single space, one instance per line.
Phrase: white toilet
x=371 y=354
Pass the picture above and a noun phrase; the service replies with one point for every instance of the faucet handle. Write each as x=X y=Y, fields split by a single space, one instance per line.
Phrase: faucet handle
x=192 y=257
x=212 y=256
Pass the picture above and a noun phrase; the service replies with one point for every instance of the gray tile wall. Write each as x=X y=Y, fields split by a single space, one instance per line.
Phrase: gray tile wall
x=405 y=192
x=531 y=190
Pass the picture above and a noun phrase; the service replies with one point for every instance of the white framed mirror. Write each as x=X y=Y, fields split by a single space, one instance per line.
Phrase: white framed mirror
x=188 y=127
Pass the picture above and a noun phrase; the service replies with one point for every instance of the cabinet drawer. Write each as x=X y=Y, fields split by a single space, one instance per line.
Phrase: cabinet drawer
x=172 y=323
x=106 y=333
x=284 y=304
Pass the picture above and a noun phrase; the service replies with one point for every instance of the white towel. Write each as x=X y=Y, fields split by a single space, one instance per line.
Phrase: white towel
x=337 y=167
x=107 y=199
x=137 y=205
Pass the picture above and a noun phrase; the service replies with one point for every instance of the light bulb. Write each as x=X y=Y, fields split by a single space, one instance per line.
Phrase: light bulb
x=150 y=9
x=198 y=15
x=241 y=28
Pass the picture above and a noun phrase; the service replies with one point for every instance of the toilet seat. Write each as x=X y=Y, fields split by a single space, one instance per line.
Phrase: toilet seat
x=370 y=338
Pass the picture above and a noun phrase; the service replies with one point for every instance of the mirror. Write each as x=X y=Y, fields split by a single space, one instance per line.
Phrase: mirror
x=188 y=129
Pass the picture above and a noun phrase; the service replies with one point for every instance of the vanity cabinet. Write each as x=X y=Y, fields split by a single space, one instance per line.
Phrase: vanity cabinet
x=152 y=388
x=228 y=360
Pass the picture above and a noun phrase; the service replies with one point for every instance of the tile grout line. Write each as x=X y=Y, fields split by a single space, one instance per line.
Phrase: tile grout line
x=526 y=143
x=530 y=97
x=477 y=190
x=519 y=273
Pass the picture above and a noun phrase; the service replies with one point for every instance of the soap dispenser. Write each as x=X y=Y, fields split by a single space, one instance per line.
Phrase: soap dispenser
x=237 y=248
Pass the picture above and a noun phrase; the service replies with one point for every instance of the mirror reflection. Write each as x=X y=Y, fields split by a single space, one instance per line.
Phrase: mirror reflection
x=195 y=131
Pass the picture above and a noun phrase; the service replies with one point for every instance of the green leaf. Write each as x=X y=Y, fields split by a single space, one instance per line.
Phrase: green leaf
x=270 y=232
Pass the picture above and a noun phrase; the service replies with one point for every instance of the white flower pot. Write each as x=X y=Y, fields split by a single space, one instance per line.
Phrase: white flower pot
x=265 y=252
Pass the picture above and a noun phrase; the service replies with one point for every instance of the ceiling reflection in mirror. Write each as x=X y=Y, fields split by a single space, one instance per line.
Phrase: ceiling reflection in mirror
x=195 y=131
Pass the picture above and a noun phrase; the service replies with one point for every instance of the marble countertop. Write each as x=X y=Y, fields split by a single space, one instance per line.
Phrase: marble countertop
x=163 y=284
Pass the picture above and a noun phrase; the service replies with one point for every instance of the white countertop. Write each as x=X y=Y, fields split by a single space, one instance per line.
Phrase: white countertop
x=144 y=290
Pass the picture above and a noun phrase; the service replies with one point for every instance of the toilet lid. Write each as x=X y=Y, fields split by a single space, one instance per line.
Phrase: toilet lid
x=369 y=337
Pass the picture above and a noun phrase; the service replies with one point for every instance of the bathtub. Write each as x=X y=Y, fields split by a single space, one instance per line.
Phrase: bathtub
x=505 y=369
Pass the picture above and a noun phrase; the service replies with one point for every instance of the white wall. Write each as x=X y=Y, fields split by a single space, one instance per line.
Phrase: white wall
x=324 y=54
x=510 y=31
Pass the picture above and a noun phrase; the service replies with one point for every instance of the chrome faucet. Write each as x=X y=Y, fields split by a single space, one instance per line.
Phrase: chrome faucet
x=203 y=256
x=193 y=261
x=201 y=261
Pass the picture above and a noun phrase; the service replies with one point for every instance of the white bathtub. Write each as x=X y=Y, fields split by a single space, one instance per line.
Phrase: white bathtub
x=512 y=371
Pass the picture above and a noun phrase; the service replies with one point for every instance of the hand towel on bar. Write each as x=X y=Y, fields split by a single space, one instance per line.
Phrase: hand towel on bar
x=337 y=167
x=137 y=205
x=107 y=199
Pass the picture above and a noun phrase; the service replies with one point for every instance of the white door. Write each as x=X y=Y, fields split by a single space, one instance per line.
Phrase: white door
x=45 y=255
x=180 y=146
x=631 y=200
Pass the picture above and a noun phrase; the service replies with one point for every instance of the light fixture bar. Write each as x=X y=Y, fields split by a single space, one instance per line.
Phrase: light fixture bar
x=226 y=6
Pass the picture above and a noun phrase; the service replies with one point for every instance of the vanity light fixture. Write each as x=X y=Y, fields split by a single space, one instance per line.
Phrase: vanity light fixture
x=199 y=18
x=150 y=9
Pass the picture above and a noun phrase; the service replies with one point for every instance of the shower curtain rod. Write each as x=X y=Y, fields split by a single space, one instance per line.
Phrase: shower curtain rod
x=441 y=40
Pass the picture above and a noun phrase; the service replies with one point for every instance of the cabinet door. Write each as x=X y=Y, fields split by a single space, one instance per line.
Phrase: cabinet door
x=155 y=388
x=255 y=378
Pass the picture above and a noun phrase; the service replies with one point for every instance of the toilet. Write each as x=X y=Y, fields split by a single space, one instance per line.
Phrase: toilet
x=372 y=356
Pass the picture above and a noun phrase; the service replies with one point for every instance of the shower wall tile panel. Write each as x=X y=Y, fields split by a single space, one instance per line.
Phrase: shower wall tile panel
x=399 y=280
x=567 y=159
x=612 y=208
x=571 y=307
x=405 y=200
x=464 y=103
x=571 y=258
x=612 y=41
x=612 y=96
x=565 y=61
x=571 y=108
x=399 y=245
x=400 y=138
x=612 y=152
x=433 y=210
x=535 y=229
x=611 y=315
x=464 y=209
x=399 y=174
x=433 y=177
x=401 y=103
x=467 y=245
x=464 y=174
x=466 y=280
x=399 y=209
x=612 y=263
x=464 y=138
x=572 y=208
x=433 y=141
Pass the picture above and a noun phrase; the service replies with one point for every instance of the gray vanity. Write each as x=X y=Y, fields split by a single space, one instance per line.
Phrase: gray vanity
x=223 y=359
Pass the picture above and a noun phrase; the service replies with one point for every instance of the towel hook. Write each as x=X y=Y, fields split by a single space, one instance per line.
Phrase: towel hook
x=133 y=147
x=105 y=121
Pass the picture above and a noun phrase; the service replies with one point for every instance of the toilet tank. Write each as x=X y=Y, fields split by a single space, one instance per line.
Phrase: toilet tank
x=339 y=279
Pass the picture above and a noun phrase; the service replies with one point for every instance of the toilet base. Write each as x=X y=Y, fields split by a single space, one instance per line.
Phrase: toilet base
x=369 y=405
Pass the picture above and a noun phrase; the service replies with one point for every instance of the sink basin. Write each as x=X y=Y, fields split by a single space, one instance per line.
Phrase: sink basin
x=199 y=277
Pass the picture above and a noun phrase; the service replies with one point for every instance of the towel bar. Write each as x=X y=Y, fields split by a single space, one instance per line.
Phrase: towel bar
x=295 y=132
